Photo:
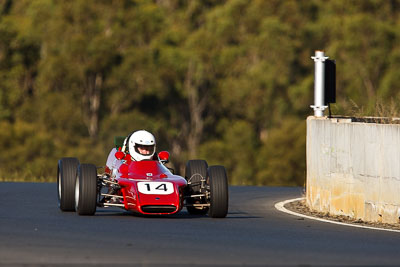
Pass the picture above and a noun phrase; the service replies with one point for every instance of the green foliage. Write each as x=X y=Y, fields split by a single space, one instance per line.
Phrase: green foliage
x=237 y=150
x=26 y=151
x=281 y=160
x=229 y=81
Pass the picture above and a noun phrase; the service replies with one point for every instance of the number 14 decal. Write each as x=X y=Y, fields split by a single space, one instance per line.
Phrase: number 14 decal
x=155 y=188
x=160 y=187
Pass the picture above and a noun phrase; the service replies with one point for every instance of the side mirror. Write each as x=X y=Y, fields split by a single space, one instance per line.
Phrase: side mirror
x=119 y=155
x=163 y=156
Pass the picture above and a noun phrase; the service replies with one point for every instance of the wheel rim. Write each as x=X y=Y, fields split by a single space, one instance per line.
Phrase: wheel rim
x=77 y=193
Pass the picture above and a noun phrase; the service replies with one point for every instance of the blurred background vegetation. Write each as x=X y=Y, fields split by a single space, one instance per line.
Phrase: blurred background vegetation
x=229 y=81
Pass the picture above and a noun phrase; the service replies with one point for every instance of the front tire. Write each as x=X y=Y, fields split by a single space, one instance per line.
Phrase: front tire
x=86 y=190
x=219 y=198
x=66 y=176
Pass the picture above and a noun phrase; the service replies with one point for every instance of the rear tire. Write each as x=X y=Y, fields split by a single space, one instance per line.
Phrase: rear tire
x=66 y=176
x=196 y=170
x=219 y=198
x=86 y=190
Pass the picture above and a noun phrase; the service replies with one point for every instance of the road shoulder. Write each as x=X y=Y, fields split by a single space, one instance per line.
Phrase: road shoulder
x=298 y=208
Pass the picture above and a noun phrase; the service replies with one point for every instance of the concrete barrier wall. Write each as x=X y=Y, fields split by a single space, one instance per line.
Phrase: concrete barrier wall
x=353 y=169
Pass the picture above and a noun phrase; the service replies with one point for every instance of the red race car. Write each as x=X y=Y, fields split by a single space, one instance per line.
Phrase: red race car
x=145 y=187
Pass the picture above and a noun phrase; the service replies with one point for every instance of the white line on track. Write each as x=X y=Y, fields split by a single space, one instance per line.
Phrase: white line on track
x=280 y=206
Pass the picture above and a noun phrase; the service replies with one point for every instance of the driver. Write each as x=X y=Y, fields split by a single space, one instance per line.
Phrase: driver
x=141 y=145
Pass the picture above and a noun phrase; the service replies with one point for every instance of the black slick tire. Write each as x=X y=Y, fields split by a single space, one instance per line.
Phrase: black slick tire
x=219 y=198
x=195 y=171
x=86 y=190
x=66 y=176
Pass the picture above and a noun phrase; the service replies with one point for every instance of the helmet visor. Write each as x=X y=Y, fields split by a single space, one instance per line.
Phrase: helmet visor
x=144 y=150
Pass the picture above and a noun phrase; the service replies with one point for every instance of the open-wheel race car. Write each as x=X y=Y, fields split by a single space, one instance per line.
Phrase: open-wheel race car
x=144 y=187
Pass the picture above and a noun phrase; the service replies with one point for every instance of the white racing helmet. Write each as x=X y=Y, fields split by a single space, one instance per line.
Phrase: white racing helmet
x=142 y=145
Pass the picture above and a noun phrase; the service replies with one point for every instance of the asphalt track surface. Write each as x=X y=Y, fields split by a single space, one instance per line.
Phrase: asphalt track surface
x=33 y=231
